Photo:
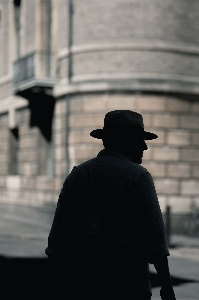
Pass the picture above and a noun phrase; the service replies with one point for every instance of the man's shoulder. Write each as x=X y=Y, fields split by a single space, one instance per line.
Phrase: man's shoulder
x=139 y=168
x=86 y=163
x=136 y=169
x=124 y=165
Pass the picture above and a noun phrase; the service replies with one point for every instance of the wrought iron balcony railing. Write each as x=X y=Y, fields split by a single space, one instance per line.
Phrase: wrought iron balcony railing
x=36 y=69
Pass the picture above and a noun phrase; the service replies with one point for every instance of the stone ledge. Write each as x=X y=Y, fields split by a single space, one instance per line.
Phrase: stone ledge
x=156 y=84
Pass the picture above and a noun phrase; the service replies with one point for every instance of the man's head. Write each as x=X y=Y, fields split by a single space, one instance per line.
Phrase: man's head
x=133 y=149
x=124 y=131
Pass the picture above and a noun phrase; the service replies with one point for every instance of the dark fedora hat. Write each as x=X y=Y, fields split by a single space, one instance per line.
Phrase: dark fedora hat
x=123 y=123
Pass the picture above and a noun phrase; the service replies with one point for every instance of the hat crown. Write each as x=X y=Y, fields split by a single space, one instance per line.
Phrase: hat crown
x=123 y=124
x=122 y=118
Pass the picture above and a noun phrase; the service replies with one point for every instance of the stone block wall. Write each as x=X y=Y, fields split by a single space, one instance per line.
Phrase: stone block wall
x=60 y=138
x=144 y=50
x=28 y=144
x=138 y=20
x=5 y=89
x=28 y=187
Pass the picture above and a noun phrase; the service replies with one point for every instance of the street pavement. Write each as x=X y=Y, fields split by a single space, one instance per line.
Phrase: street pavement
x=24 y=234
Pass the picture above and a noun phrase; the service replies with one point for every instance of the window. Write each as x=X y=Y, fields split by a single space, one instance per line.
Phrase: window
x=42 y=107
x=1 y=43
x=45 y=156
x=14 y=151
x=17 y=12
x=45 y=40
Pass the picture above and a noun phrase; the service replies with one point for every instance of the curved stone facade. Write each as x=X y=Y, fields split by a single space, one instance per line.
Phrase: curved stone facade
x=153 y=45
x=101 y=22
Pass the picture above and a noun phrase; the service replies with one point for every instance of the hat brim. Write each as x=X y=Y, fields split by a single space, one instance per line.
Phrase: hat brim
x=149 y=135
x=99 y=134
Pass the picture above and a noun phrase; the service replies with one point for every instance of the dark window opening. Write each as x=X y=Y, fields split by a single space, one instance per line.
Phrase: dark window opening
x=14 y=152
x=45 y=156
x=42 y=108
x=17 y=2
x=17 y=14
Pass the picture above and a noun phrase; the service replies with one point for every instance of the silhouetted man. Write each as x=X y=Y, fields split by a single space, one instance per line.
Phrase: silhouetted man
x=108 y=225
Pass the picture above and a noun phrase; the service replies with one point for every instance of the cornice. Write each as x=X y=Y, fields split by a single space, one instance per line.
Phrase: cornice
x=154 y=45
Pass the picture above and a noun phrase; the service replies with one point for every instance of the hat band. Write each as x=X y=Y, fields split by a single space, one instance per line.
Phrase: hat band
x=123 y=132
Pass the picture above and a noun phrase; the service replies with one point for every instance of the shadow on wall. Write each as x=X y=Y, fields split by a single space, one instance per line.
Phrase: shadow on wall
x=24 y=278
x=42 y=108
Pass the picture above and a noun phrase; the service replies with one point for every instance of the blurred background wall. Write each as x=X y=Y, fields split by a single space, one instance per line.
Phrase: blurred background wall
x=65 y=63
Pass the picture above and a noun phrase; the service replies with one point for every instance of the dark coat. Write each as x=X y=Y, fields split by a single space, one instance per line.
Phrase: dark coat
x=108 y=226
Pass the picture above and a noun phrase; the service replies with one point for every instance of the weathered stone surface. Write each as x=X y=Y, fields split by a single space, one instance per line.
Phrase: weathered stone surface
x=195 y=171
x=178 y=170
x=179 y=204
x=178 y=137
x=76 y=104
x=30 y=156
x=94 y=103
x=195 y=138
x=4 y=157
x=60 y=123
x=119 y=101
x=60 y=108
x=3 y=121
x=76 y=137
x=58 y=183
x=190 y=155
x=190 y=187
x=4 y=168
x=177 y=105
x=189 y=122
x=195 y=107
x=4 y=133
x=60 y=138
x=60 y=153
x=87 y=120
x=150 y=103
x=165 y=121
x=58 y=169
x=167 y=186
x=4 y=145
x=28 y=142
x=28 y=183
x=13 y=182
x=28 y=169
x=156 y=169
x=166 y=154
x=2 y=181
x=147 y=118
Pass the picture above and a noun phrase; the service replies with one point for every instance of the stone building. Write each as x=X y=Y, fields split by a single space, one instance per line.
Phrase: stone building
x=65 y=63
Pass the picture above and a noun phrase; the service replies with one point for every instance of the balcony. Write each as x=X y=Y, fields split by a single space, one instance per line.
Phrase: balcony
x=34 y=72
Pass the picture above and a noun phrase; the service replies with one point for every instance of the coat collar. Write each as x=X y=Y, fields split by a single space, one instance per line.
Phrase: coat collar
x=114 y=153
